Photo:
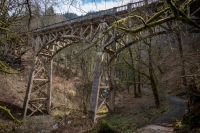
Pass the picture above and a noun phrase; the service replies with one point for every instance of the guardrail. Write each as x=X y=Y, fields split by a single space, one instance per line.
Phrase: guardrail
x=114 y=10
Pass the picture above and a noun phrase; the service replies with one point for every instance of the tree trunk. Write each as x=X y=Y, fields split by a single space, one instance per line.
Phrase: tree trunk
x=133 y=72
x=139 y=76
x=139 y=85
x=112 y=94
x=152 y=78
x=182 y=59
x=85 y=84
x=135 y=89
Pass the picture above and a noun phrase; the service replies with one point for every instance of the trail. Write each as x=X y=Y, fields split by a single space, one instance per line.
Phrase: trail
x=164 y=124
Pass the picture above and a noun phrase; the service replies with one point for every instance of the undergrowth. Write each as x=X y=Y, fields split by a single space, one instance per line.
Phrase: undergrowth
x=130 y=121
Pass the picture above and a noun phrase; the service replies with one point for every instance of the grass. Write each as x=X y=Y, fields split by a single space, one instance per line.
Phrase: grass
x=120 y=121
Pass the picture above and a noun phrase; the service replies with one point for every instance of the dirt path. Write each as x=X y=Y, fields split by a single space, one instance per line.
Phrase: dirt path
x=164 y=123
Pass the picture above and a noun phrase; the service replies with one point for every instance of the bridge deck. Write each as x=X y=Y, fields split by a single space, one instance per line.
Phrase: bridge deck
x=94 y=17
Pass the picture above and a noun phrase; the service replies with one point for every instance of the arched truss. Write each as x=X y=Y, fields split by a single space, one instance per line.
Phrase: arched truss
x=46 y=45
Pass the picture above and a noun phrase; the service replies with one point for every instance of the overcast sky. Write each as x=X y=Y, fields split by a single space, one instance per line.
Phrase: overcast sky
x=81 y=7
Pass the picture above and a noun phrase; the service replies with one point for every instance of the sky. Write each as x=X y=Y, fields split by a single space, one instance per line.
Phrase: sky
x=81 y=7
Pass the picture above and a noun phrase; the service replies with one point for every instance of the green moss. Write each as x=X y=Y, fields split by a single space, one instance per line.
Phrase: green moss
x=103 y=110
x=105 y=127
x=10 y=115
x=71 y=93
x=58 y=114
x=154 y=17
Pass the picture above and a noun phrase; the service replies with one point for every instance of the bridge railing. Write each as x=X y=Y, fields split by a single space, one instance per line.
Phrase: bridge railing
x=114 y=10
x=152 y=1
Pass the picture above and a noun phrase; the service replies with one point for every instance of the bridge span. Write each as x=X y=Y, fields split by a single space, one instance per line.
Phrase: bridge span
x=49 y=40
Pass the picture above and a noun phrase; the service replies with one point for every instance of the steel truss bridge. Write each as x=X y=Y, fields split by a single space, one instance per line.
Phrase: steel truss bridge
x=46 y=42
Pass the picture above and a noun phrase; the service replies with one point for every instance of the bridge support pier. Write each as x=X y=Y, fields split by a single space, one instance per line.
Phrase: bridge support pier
x=28 y=90
x=95 y=88
x=39 y=89
x=97 y=77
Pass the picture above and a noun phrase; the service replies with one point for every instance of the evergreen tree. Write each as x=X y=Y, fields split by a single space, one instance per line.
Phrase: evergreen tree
x=70 y=15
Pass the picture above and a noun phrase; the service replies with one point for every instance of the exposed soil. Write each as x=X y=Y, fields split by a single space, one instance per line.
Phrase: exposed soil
x=164 y=124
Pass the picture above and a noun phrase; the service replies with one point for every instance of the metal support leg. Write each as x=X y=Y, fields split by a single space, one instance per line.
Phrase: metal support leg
x=28 y=92
x=49 y=90
x=29 y=87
